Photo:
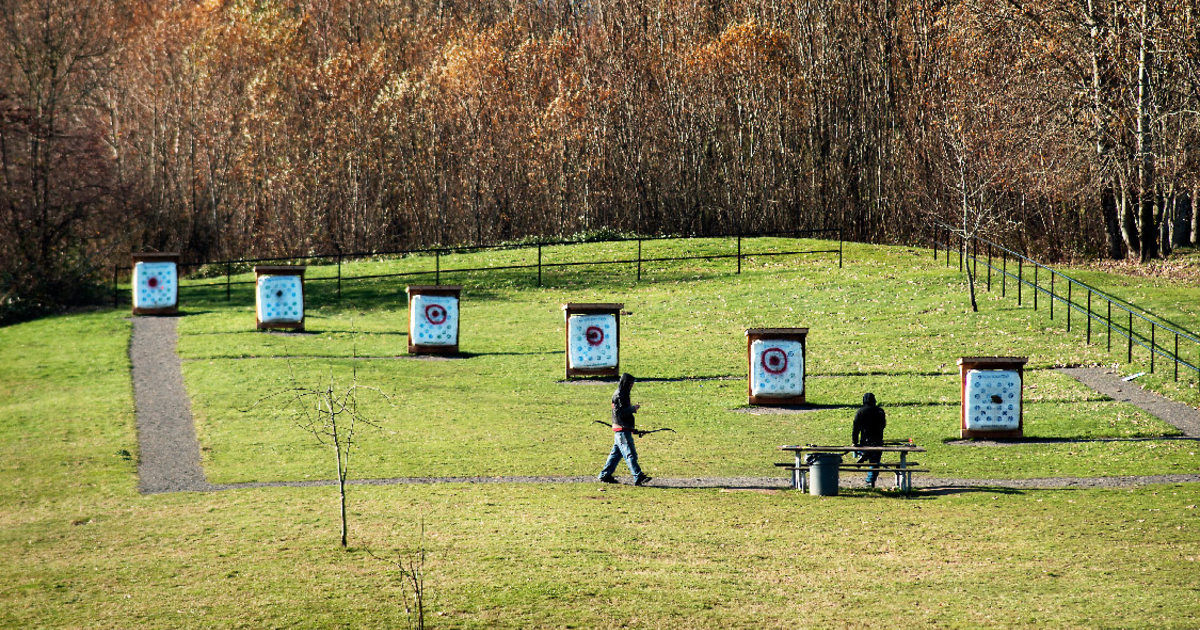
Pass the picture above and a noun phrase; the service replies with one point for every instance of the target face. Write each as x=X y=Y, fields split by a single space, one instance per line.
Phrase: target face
x=776 y=368
x=280 y=299
x=433 y=320
x=993 y=400
x=592 y=341
x=155 y=285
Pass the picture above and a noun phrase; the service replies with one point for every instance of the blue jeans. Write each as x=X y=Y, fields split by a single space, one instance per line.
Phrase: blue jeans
x=872 y=457
x=622 y=448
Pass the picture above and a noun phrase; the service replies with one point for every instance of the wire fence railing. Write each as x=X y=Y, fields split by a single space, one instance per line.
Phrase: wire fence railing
x=537 y=263
x=1133 y=325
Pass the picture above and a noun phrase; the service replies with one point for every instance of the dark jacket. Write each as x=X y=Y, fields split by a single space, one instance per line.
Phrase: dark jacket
x=869 y=423
x=622 y=409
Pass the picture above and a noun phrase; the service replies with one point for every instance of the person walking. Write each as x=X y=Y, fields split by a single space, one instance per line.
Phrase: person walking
x=869 y=423
x=623 y=430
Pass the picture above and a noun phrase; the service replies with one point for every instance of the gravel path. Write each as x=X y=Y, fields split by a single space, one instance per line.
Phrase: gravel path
x=1109 y=383
x=931 y=484
x=168 y=453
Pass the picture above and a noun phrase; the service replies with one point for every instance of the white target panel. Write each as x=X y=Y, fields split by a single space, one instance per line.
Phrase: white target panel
x=776 y=368
x=592 y=341
x=280 y=299
x=155 y=285
x=993 y=400
x=433 y=320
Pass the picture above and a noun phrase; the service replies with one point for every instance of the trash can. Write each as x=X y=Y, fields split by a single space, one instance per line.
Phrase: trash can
x=823 y=474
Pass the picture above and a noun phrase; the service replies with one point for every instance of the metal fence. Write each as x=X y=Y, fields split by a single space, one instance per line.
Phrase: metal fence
x=537 y=264
x=1096 y=307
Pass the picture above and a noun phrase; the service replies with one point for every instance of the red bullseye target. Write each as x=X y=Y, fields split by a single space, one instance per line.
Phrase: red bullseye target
x=594 y=335
x=436 y=314
x=153 y=282
x=774 y=361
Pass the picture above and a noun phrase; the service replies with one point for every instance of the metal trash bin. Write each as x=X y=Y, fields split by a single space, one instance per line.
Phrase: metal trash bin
x=823 y=473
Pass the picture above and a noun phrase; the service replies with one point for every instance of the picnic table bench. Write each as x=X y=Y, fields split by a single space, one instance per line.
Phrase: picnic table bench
x=903 y=469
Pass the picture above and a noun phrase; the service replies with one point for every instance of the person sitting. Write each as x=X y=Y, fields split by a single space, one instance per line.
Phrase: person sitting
x=869 y=423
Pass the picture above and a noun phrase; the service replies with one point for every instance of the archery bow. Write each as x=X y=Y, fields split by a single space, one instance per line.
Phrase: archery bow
x=638 y=432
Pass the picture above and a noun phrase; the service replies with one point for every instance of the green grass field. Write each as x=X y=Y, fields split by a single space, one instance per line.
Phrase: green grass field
x=82 y=548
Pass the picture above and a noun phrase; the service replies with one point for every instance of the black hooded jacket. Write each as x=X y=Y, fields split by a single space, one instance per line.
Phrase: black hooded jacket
x=622 y=409
x=869 y=423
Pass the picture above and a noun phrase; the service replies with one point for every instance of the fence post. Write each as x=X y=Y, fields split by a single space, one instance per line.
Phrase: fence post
x=1035 y=287
x=1052 y=296
x=1003 y=274
x=1129 y=352
x=539 y=264
x=1020 y=279
x=840 y=241
x=739 y=253
x=989 y=267
x=962 y=250
x=935 y=244
x=339 y=261
x=228 y=286
x=639 y=264
x=437 y=269
x=1177 y=356
x=1152 y=346
x=1108 y=325
x=1070 y=304
x=949 y=240
x=1089 y=324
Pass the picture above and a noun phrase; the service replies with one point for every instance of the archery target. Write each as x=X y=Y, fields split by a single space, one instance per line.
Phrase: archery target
x=776 y=368
x=280 y=299
x=433 y=320
x=592 y=341
x=155 y=285
x=993 y=400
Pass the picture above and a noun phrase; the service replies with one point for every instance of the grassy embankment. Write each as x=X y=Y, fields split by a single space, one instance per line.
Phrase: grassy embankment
x=82 y=548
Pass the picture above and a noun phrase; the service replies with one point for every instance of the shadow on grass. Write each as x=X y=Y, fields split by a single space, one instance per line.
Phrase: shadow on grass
x=1068 y=440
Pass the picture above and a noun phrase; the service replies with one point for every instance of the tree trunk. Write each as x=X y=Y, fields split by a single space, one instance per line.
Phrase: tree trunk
x=1196 y=215
x=1108 y=196
x=1182 y=215
x=1146 y=218
x=1112 y=223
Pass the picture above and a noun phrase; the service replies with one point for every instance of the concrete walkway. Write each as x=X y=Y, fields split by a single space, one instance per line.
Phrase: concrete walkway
x=1109 y=383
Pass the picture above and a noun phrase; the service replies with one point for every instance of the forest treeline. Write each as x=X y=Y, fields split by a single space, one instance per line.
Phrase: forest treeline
x=239 y=128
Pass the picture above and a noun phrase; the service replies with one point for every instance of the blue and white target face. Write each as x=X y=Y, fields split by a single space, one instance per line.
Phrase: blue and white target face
x=433 y=320
x=155 y=285
x=592 y=341
x=993 y=400
x=280 y=299
x=776 y=368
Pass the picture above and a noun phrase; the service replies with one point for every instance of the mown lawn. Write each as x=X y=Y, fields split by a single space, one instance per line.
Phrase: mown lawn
x=82 y=548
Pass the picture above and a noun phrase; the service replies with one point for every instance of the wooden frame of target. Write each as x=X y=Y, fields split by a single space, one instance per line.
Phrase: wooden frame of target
x=992 y=405
x=155 y=283
x=593 y=338
x=775 y=361
x=279 y=297
x=433 y=318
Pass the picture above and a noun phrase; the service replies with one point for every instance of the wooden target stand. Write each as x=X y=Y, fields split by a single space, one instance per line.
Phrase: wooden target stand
x=158 y=257
x=279 y=270
x=441 y=291
x=776 y=334
x=599 y=308
x=1013 y=364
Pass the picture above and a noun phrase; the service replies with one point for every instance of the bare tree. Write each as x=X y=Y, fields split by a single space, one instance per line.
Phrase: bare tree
x=332 y=416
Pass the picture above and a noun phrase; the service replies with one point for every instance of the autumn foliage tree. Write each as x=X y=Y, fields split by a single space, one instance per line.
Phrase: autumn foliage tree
x=231 y=128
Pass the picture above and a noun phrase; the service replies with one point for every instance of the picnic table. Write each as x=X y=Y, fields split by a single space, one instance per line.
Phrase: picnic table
x=902 y=469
